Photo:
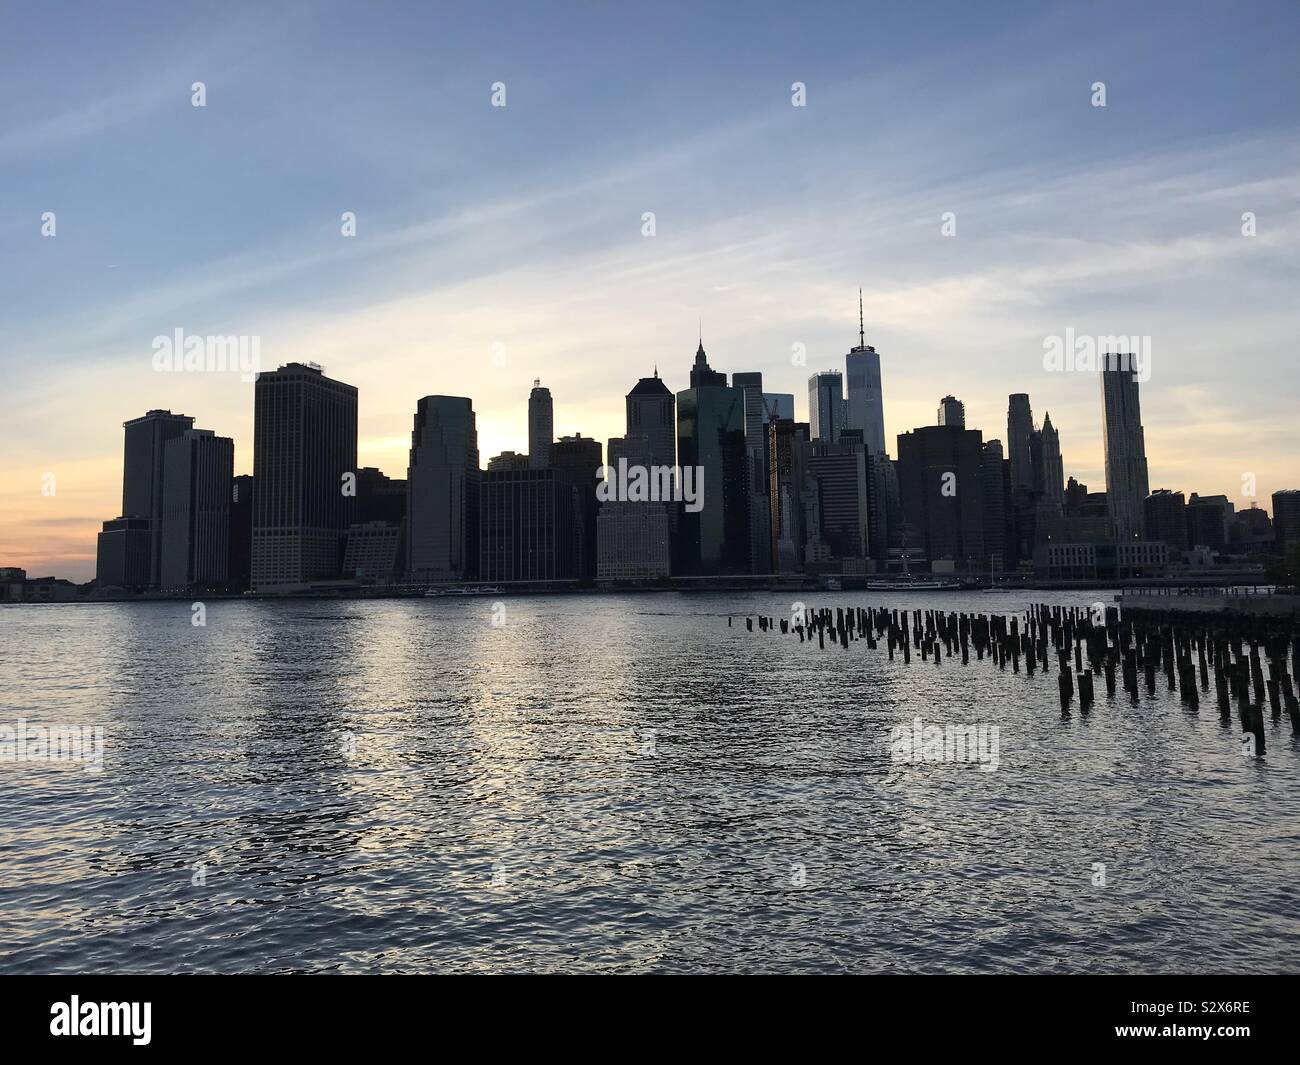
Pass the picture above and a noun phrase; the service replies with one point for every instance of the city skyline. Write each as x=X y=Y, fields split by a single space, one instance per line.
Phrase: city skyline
x=470 y=276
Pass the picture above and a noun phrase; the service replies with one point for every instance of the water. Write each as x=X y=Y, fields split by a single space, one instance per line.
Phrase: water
x=611 y=784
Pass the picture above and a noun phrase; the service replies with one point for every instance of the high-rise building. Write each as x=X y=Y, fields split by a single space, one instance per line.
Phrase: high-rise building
x=123 y=553
x=442 y=484
x=843 y=493
x=939 y=480
x=528 y=527
x=304 y=457
x=864 y=405
x=756 y=472
x=787 y=448
x=1053 y=468
x=711 y=440
x=577 y=462
x=952 y=411
x=198 y=468
x=1286 y=519
x=826 y=405
x=995 y=486
x=380 y=497
x=632 y=537
x=541 y=426
x=240 y=566
x=1020 y=431
x=1165 y=517
x=142 y=475
x=702 y=375
x=1126 y=454
x=1208 y=521
x=651 y=412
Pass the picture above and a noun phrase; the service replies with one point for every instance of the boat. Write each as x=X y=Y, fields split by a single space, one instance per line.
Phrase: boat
x=913 y=585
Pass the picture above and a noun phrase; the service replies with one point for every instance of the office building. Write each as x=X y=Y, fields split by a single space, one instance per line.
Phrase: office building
x=541 y=426
x=442 y=485
x=864 y=405
x=1126 y=457
x=142 y=475
x=304 y=459
x=198 y=470
x=528 y=527
x=939 y=481
x=825 y=405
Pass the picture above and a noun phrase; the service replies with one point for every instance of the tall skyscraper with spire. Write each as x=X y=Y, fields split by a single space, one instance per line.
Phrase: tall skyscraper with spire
x=541 y=426
x=1127 y=486
x=865 y=407
x=1053 y=467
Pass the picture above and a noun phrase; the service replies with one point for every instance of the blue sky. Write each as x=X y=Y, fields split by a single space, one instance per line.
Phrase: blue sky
x=517 y=230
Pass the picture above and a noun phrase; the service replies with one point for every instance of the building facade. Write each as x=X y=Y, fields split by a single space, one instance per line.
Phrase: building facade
x=442 y=491
x=304 y=455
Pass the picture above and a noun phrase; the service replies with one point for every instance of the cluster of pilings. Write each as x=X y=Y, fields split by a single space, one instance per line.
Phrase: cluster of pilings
x=1090 y=643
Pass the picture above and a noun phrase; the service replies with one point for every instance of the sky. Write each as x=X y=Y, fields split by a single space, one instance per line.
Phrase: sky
x=498 y=244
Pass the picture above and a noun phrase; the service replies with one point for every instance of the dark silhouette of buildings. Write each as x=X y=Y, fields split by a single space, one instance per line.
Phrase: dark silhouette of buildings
x=443 y=483
x=1165 y=516
x=651 y=412
x=304 y=443
x=123 y=554
x=1127 y=486
x=577 y=461
x=711 y=438
x=142 y=476
x=241 y=533
x=939 y=480
x=528 y=527
x=541 y=426
x=1286 y=519
x=198 y=469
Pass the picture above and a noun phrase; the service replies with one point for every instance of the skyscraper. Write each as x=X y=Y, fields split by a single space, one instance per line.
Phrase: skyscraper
x=198 y=468
x=1020 y=431
x=1053 y=470
x=632 y=538
x=528 y=525
x=711 y=438
x=1126 y=454
x=825 y=405
x=577 y=461
x=756 y=474
x=865 y=408
x=442 y=485
x=1165 y=516
x=994 y=490
x=788 y=450
x=1286 y=519
x=241 y=533
x=541 y=427
x=952 y=411
x=843 y=491
x=939 y=479
x=304 y=442
x=142 y=475
x=651 y=412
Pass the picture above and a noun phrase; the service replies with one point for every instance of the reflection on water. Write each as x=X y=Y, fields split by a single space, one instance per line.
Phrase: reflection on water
x=610 y=783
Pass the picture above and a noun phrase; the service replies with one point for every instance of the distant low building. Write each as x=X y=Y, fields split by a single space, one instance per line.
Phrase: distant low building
x=124 y=554
x=1125 y=560
x=372 y=551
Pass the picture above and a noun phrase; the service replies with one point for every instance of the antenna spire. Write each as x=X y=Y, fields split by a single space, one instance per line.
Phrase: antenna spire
x=862 y=333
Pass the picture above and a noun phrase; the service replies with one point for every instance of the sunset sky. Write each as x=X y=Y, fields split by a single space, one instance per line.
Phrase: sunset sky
x=521 y=226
